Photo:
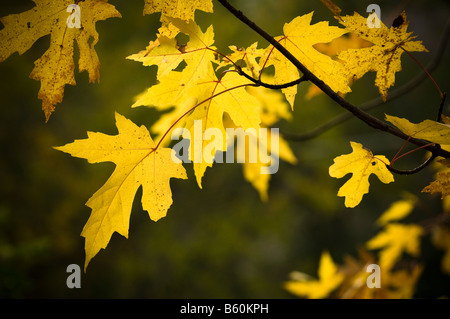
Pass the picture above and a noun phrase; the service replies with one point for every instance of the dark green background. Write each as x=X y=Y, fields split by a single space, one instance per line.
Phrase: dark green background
x=219 y=242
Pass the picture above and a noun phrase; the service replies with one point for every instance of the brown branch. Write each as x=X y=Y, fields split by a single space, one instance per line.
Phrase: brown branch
x=361 y=114
x=268 y=85
x=374 y=103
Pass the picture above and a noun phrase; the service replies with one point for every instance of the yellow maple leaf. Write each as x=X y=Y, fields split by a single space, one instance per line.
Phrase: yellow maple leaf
x=426 y=130
x=273 y=108
x=442 y=182
x=384 y=56
x=180 y=9
x=403 y=282
x=163 y=52
x=398 y=284
x=299 y=38
x=393 y=241
x=344 y=42
x=222 y=97
x=167 y=53
x=248 y=55
x=137 y=164
x=329 y=279
x=176 y=89
x=168 y=94
x=398 y=210
x=55 y=68
x=361 y=163
x=254 y=171
x=332 y=49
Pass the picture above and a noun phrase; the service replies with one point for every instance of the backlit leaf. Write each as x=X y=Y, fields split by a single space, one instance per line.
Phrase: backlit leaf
x=393 y=241
x=181 y=9
x=384 y=56
x=361 y=163
x=299 y=38
x=442 y=182
x=427 y=130
x=329 y=279
x=398 y=210
x=55 y=68
x=137 y=164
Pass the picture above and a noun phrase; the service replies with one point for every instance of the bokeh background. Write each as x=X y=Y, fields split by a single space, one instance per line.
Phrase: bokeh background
x=221 y=241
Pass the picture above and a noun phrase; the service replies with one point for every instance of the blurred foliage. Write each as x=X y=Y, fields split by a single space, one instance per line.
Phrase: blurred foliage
x=219 y=242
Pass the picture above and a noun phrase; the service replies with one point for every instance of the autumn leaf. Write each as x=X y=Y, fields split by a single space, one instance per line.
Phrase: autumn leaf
x=180 y=9
x=395 y=283
x=177 y=90
x=163 y=52
x=329 y=279
x=253 y=172
x=220 y=96
x=332 y=49
x=442 y=182
x=167 y=53
x=403 y=282
x=55 y=68
x=299 y=38
x=168 y=95
x=137 y=164
x=273 y=108
x=225 y=95
x=426 y=130
x=361 y=163
x=247 y=55
x=271 y=144
x=384 y=57
x=175 y=9
x=398 y=210
x=393 y=241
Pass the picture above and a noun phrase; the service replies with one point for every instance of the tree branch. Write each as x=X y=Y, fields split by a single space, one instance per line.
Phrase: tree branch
x=362 y=115
x=268 y=85
x=374 y=103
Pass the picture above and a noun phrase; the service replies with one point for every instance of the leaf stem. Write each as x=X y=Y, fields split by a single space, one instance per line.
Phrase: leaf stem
x=401 y=148
x=424 y=70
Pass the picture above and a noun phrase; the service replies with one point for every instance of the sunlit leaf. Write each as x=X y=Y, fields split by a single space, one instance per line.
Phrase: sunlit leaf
x=329 y=279
x=137 y=164
x=55 y=68
x=361 y=163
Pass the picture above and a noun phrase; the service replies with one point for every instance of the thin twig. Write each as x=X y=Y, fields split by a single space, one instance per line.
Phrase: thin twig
x=268 y=85
x=414 y=170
